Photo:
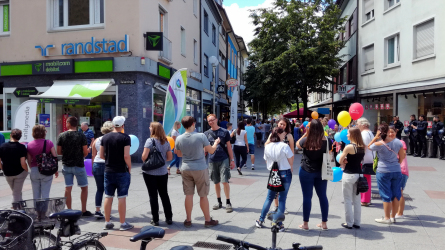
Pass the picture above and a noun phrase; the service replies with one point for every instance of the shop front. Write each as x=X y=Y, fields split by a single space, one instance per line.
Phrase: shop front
x=377 y=110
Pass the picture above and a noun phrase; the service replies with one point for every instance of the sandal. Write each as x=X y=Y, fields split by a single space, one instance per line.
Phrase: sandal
x=303 y=228
x=365 y=204
x=178 y=171
x=187 y=224
x=323 y=229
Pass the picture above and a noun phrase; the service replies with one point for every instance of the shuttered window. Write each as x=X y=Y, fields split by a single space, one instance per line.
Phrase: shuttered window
x=368 y=10
x=424 y=37
x=368 y=54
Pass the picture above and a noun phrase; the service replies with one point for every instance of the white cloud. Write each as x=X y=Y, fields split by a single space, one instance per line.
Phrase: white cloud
x=239 y=18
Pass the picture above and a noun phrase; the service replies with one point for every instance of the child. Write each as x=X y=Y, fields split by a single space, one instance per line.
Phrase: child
x=229 y=127
x=405 y=175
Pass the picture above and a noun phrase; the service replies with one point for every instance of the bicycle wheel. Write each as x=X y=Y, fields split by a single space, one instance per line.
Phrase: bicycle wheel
x=43 y=239
x=91 y=245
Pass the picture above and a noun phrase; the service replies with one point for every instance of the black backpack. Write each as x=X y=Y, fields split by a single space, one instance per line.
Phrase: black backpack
x=362 y=185
x=154 y=160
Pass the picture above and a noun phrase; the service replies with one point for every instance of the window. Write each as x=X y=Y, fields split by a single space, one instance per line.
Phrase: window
x=222 y=31
x=390 y=3
x=222 y=59
x=182 y=41
x=424 y=39
x=195 y=51
x=351 y=26
x=163 y=21
x=368 y=10
x=344 y=74
x=368 y=57
x=392 y=50
x=213 y=34
x=206 y=65
x=206 y=22
x=4 y=19
x=76 y=14
x=195 y=8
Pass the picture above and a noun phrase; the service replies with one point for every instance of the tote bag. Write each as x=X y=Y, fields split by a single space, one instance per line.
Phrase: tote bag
x=154 y=160
x=275 y=184
x=326 y=167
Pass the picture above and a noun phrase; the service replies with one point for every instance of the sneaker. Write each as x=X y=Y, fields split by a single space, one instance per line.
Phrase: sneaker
x=211 y=223
x=108 y=226
x=169 y=221
x=229 y=208
x=217 y=206
x=356 y=227
x=259 y=224
x=244 y=166
x=400 y=216
x=239 y=171
x=285 y=211
x=393 y=220
x=383 y=221
x=125 y=226
x=346 y=226
x=253 y=167
x=282 y=229
x=154 y=223
x=98 y=215
x=87 y=214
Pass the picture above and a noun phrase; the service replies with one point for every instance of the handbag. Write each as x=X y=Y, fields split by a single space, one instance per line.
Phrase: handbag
x=47 y=163
x=154 y=159
x=275 y=184
x=233 y=139
x=326 y=168
x=362 y=185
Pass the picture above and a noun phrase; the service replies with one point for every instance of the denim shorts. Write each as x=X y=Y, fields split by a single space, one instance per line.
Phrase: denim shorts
x=119 y=182
x=389 y=185
x=251 y=149
x=79 y=172
x=403 y=182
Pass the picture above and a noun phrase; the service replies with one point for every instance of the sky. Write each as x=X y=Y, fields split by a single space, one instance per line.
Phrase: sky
x=238 y=12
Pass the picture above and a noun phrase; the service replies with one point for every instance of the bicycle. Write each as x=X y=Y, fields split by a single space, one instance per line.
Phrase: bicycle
x=15 y=230
x=149 y=233
x=276 y=218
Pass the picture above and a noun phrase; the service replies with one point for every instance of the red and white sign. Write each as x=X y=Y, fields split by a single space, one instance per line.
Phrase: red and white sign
x=387 y=106
x=376 y=106
x=366 y=106
x=64 y=118
x=371 y=106
x=232 y=82
x=382 y=106
x=406 y=123
x=430 y=124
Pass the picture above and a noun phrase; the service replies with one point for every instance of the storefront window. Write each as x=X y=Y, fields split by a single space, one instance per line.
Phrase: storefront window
x=158 y=107
x=378 y=111
x=428 y=104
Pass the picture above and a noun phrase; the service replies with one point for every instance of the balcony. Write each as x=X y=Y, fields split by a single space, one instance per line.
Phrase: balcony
x=166 y=54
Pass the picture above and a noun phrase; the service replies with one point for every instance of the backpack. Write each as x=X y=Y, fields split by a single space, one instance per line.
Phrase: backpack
x=47 y=163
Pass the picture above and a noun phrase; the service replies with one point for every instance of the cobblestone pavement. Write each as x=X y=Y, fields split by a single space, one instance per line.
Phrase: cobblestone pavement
x=424 y=227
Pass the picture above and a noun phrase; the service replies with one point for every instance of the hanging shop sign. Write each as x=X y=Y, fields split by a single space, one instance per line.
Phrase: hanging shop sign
x=25 y=92
x=90 y=47
x=221 y=89
x=387 y=106
x=376 y=106
x=346 y=89
x=154 y=41
x=382 y=106
x=430 y=124
x=366 y=106
x=232 y=82
x=53 y=67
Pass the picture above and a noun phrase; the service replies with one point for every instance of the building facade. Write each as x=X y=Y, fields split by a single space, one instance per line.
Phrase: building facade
x=403 y=67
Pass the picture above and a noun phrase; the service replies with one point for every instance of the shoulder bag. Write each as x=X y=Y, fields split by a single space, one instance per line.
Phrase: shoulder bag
x=274 y=183
x=233 y=138
x=154 y=160
x=47 y=163
x=326 y=167
x=362 y=185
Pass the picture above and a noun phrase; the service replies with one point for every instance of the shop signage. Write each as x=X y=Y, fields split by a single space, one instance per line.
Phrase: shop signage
x=5 y=17
x=64 y=101
x=232 y=82
x=387 y=106
x=25 y=92
x=128 y=81
x=430 y=124
x=406 y=123
x=366 y=106
x=154 y=41
x=371 y=106
x=90 y=47
x=44 y=119
x=376 y=106
x=382 y=106
x=346 y=89
x=221 y=89
x=53 y=67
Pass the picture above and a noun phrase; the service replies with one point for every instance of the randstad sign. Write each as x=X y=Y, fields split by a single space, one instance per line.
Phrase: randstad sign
x=90 y=47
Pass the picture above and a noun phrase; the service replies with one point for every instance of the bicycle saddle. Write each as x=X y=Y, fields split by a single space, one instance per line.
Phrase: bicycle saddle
x=67 y=214
x=276 y=217
x=148 y=232
x=182 y=248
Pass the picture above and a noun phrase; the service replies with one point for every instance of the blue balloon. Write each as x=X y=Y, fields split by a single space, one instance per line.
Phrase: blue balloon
x=441 y=132
x=344 y=136
x=337 y=137
x=134 y=144
x=305 y=123
x=338 y=156
x=338 y=174
x=406 y=130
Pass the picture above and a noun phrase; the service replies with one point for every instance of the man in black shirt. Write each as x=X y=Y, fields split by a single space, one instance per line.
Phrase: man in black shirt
x=421 y=127
x=412 y=135
x=398 y=126
x=115 y=150
x=437 y=140
x=72 y=145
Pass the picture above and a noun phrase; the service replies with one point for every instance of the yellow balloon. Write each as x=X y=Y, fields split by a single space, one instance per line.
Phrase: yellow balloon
x=325 y=133
x=314 y=115
x=344 y=118
x=171 y=141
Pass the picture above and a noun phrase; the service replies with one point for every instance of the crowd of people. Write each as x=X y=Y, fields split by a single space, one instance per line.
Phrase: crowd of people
x=210 y=156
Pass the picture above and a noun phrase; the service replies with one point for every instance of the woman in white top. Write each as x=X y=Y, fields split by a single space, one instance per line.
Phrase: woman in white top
x=99 y=167
x=279 y=152
x=176 y=160
x=240 y=147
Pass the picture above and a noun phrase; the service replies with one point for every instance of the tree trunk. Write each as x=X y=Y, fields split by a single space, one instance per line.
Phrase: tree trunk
x=298 y=109
x=304 y=99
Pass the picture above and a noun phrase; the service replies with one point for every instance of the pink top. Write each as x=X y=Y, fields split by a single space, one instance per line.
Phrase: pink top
x=404 y=164
x=36 y=147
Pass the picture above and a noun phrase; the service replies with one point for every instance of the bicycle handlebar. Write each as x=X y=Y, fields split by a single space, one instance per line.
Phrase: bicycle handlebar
x=241 y=243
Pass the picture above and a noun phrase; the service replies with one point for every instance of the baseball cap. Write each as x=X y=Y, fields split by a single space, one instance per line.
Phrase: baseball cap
x=118 y=121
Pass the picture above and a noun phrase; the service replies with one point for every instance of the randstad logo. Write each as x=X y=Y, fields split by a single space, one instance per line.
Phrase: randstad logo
x=178 y=83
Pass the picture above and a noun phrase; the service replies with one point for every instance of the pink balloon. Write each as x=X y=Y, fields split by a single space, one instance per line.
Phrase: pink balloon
x=356 y=111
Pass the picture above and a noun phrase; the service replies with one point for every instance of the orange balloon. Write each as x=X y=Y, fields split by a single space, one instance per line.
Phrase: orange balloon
x=314 y=115
x=171 y=141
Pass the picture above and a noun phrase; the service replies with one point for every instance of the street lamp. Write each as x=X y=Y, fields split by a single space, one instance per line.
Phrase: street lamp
x=214 y=62
x=242 y=88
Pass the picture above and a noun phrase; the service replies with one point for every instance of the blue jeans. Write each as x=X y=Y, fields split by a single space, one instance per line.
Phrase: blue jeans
x=389 y=185
x=176 y=160
x=308 y=181
x=99 y=176
x=286 y=178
